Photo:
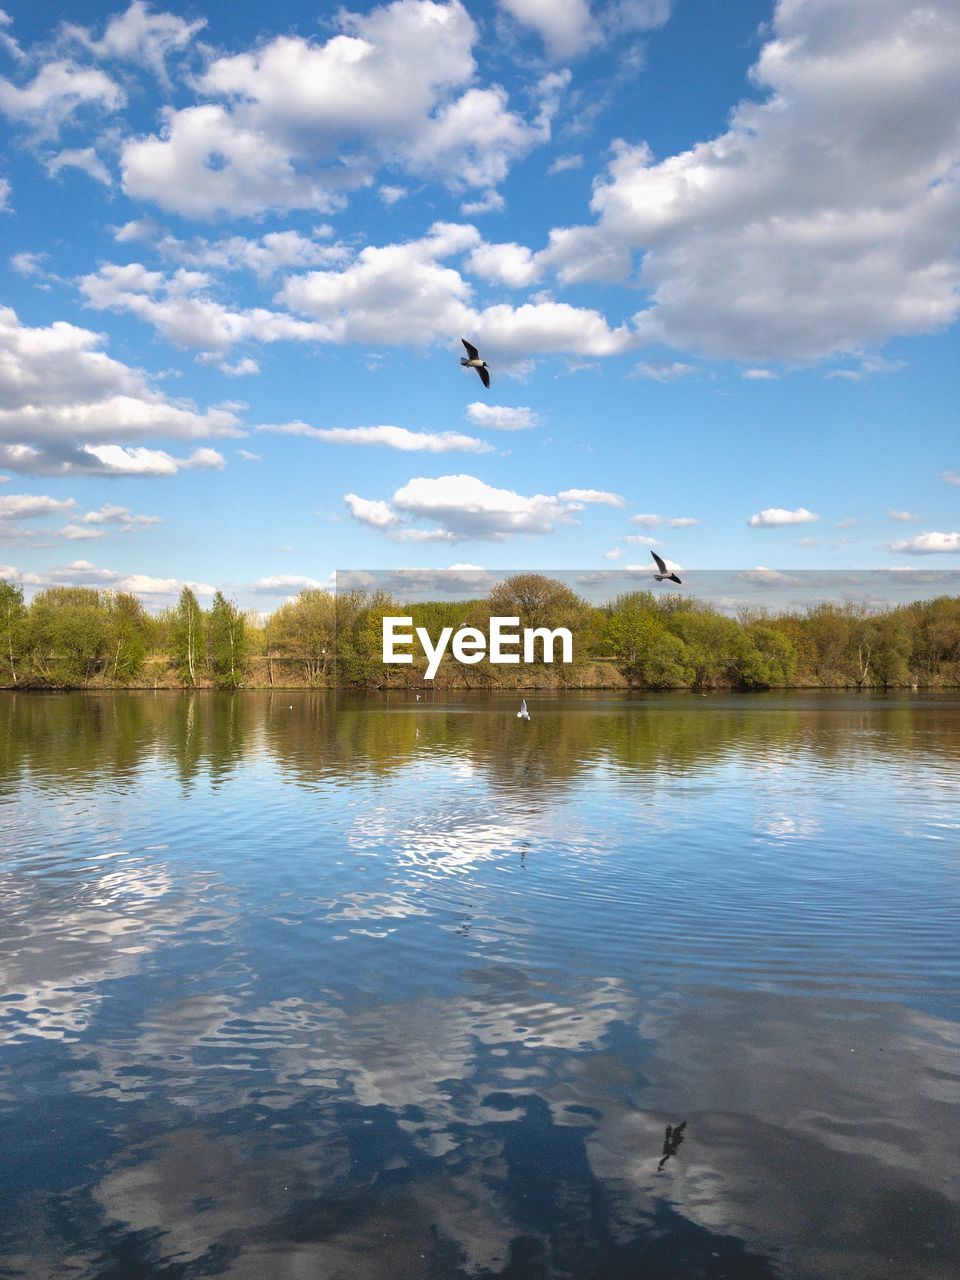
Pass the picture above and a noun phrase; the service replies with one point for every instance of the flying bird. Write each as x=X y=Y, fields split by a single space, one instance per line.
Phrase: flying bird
x=523 y=713
x=474 y=362
x=671 y=1142
x=664 y=574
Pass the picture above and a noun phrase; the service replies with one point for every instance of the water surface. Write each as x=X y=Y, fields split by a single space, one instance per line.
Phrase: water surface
x=308 y=985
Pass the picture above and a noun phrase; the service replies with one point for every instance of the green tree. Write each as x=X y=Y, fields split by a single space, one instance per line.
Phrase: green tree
x=226 y=643
x=12 y=618
x=647 y=654
x=67 y=635
x=128 y=635
x=187 y=638
x=304 y=630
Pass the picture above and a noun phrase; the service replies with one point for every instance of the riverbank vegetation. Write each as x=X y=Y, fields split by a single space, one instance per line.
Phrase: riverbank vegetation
x=78 y=637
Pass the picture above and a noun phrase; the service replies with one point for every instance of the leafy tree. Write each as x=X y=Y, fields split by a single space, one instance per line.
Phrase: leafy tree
x=187 y=638
x=647 y=654
x=128 y=634
x=305 y=629
x=67 y=634
x=12 y=618
x=226 y=643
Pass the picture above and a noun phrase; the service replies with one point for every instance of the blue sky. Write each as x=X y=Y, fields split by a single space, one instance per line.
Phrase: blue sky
x=708 y=250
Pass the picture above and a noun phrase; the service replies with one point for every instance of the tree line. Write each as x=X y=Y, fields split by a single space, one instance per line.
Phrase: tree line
x=80 y=637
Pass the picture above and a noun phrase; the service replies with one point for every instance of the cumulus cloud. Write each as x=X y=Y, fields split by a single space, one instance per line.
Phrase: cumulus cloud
x=500 y=417
x=57 y=91
x=567 y=27
x=647 y=521
x=181 y=308
x=122 y=517
x=17 y=508
x=683 y=522
x=66 y=406
x=511 y=264
x=296 y=124
x=385 y=436
x=83 y=158
x=28 y=506
x=563 y=164
x=139 y=36
x=599 y=496
x=774 y=517
x=285 y=584
x=951 y=477
x=82 y=573
x=762 y=577
x=404 y=294
x=368 y=511
x=264 y=255
x=903 y=517
x=760 y=245
x=928 y=544
x=463 y=507
x=63 y=459
x=662 y=370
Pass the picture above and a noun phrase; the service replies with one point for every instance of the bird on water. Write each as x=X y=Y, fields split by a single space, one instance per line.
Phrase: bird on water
x=664 y=574
x=473 y=361
x=523 y=713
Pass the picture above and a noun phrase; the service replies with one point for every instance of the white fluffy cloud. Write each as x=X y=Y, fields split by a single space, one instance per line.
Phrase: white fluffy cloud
x=297 y=124
x=647 y=521
x=66 y=406
x=122 y=517
x=598 y=496
x=285 y=584
x=182 y=309
x=28 y=506
x=662 y=370
x=501 y=417
x=403 y=294
x=374 y=513
x=511 y=264
x=825 y=218
x=82 y=573
x=774 y=517
x=928 y=544
x=60 y=458
x=396 y=294
x=57 y=91
x=83 y=158
x=263 y=255
x=139 y=36
x=463 y=507
x=567 y=26
x=683 y=522
x=388 y=437
x=902 y=517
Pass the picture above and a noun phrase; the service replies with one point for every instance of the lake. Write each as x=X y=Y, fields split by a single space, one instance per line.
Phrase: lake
x=314 y=985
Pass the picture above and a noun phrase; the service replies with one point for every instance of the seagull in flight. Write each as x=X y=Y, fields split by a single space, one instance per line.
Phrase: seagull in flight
x=523 y=713
x=473 y=361
x=664 y=573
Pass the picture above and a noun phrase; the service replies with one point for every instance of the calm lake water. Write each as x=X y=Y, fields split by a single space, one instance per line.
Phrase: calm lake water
x=303 y=985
